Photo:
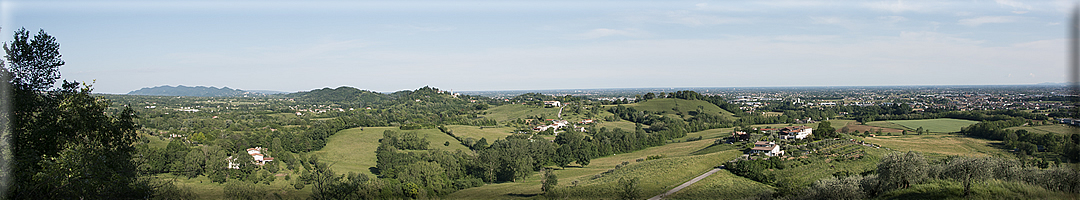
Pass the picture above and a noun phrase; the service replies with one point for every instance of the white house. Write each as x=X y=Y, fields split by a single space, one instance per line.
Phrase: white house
x=553 y=103
x=796 y=132
x=767 y=148
x=257 y=158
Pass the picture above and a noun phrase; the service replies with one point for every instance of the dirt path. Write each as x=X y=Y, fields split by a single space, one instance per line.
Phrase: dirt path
x=684 y=185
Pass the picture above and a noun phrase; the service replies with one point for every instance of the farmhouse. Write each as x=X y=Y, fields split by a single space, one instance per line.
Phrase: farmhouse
x=553 y=103
x=796 y=132
x=257 y=158
x=767 y=148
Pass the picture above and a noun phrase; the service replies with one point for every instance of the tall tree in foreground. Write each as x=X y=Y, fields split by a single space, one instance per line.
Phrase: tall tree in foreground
x=64 y=144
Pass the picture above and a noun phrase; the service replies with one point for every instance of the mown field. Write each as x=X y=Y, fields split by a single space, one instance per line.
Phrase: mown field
x=722 y=185
x=943 y=125
x=939 y=146
x=353 y=150
x=492 y=134
x=1054 y=128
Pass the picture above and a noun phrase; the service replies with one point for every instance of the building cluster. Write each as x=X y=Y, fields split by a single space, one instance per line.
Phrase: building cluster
x=558 y=124
x=257 y=158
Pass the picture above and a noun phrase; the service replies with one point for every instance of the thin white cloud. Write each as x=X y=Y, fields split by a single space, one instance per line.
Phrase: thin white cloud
x=987 y=20
x=683 y=17
x=1019 y=12
x=892 y=19
x=605 y=32
x=1014 y=4
x=829 y=20
x=897 y=6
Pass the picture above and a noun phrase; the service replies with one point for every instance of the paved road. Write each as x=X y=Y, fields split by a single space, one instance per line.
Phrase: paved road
x=684 y=185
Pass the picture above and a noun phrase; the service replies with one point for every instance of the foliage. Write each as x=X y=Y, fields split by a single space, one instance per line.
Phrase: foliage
x=65 y=145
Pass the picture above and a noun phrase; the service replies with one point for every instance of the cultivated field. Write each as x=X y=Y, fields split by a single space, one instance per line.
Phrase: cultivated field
x=939 y=146
x=943 y=125
x=1054 y=128
x=856 y=127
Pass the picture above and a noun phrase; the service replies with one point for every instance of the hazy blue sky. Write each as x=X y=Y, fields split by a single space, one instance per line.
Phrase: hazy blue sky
x=514 y=45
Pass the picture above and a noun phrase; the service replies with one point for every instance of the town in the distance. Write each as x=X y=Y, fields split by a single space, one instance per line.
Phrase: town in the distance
x=874 y=142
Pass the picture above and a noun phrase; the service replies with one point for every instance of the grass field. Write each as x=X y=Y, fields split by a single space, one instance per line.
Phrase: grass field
x=655 y=176
x=353 y=150
x=939 y=146
x=624 y=125
x=491 y=134
x=1054 y=128
x=666 y=105
x=889 y=125
x=722 y=185
x=992 y=189
x=943 y=125
x=530 y=187
x=514 y=111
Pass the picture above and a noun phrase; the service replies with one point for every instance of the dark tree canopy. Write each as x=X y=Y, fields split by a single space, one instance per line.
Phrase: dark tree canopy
x=34 y=62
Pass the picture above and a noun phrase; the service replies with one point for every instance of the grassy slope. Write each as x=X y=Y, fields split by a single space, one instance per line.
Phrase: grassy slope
x=531 y=185
x=1055 y=128
x=722 y=185
x=624 y=125
x=491 y=134
x=937 y=146
x=353 y=150
x=655 y=176
x=994 y=189
x=943 y=125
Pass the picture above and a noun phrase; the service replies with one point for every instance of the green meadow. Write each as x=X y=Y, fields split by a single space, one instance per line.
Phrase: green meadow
x=353 y=150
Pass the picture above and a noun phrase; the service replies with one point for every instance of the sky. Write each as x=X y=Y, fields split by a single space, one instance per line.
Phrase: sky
x=385 y=46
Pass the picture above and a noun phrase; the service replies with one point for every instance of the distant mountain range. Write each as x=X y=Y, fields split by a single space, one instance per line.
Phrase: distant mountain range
x=199 y=91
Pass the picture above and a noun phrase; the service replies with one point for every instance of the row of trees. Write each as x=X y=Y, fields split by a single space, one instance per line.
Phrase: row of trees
x=903 y=170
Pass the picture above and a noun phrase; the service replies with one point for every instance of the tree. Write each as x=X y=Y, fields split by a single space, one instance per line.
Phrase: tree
x=900 y=170
x=968 y=170
x=629 y=188
x=34 y=63
x=550 y=180
x=825 y=130
x=65 y=145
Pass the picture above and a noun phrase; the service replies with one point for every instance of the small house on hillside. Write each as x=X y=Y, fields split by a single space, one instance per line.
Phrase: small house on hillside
x=257 y=158
x=553 y=103
x=796 y=132
x=767 y=148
